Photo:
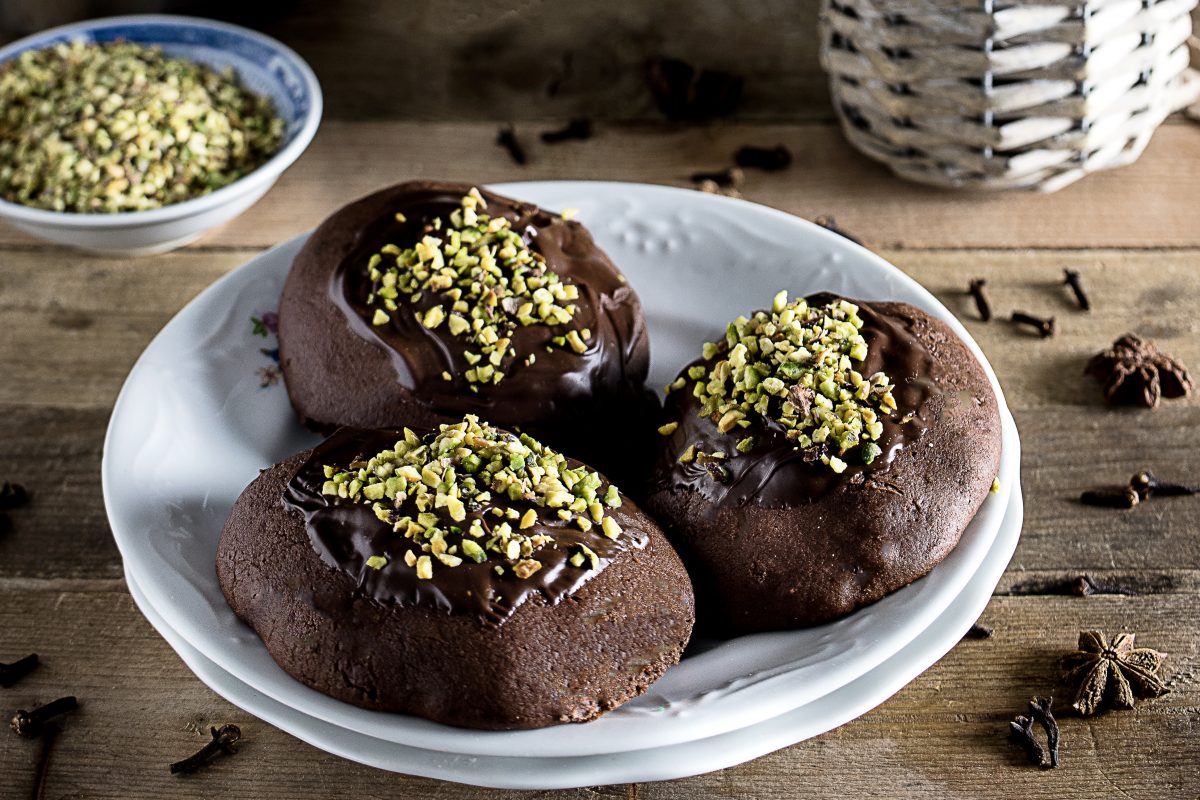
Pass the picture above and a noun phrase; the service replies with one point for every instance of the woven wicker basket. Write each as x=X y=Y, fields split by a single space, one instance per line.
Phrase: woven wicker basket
x=1005 y=94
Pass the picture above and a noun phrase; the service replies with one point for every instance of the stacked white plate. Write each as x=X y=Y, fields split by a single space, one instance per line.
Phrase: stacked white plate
x=202 y=412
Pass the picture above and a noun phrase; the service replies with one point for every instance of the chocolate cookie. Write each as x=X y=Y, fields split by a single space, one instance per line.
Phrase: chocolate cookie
x=427 y=301
x=467 y=576
x=825 y=453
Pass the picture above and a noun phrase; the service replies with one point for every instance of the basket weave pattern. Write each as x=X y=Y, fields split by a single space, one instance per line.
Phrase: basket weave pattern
x=1004 y=95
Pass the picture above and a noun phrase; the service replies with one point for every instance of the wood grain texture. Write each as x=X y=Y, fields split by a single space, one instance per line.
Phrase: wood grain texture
x=1149 y=204
x=511 y=59
x=942 y=736
x=65 y=355
x=72 y=326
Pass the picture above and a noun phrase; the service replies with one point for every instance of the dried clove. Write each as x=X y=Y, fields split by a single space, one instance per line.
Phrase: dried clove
x=1086 y=586
x=1020 y=731
x=11 y=673
x=224 y=741
x=683 y=92
x=1072 y=278
x=578 y=128
x=12 y=495
x=1141 y=487
x=507 y=138
x=1110 y=497
x=1045 y=327
x=30 y=723
x=978 y=631
x=769 y=159
x=1146 y=484
x=981 y=302
x=1039 y=709
x=827 y=222
x=728 y=178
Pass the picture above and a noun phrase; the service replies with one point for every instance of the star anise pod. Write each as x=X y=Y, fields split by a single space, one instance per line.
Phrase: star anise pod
x=1134 y=371
x=1113 y=674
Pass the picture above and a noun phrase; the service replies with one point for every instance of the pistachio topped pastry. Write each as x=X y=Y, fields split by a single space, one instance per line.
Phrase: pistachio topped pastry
x=826 y=452
x=474 y=492
x=796 y=366
x=427 y=301
x=117 y=126
x=488 y=280
x=382 y=562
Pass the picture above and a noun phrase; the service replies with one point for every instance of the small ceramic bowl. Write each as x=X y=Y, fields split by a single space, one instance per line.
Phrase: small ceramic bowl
x=263 y=65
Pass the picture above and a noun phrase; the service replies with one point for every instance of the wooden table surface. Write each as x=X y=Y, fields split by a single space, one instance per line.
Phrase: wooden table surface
x=73 y=324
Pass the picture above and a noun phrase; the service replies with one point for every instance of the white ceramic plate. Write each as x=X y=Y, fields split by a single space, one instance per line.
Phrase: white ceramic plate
x=194 y=424
x=659 y=763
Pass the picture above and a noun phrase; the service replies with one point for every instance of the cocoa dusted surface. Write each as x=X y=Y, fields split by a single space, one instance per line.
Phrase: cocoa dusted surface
x=546 y=664
x=758 y=566
x=342 y=371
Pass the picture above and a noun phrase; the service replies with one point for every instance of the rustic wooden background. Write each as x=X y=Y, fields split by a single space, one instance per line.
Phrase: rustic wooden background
x=71 y=326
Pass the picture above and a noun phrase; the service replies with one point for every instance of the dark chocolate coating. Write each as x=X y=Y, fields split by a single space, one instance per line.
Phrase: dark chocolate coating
x=342 y=371
x=548 y=663
x=807 y=546
x=345 y=533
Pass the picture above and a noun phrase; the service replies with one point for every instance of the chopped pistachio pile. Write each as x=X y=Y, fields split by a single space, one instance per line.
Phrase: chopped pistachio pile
x=121 y=127
x=471 y=491
x=795 y=366
x=490 y=280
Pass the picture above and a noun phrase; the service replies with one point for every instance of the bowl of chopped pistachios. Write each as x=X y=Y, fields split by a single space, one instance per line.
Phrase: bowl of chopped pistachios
x=132 y=135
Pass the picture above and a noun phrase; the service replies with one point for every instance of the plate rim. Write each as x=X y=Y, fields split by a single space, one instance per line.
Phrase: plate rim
x=611 y=768
x=1012 y=448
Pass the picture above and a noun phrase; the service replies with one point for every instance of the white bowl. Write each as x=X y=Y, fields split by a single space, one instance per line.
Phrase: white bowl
x=263 y=65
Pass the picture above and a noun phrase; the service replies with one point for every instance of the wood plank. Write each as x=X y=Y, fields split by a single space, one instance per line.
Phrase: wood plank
x=1149 y=204
x=942 y=736
x=445 y=59
x=64 y=533
x=66 y=354
x=74 y=348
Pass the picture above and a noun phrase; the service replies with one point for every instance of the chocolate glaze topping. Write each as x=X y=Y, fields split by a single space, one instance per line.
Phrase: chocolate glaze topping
x=560 y=377
x=774 y=473
x=345 y=533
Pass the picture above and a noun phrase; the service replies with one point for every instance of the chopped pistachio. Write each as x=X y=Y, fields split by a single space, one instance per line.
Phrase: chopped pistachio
x=425 y=487
x=526 y=567
x=795 y=366
x=117 y=126
x=995 y=485
x=380 y=318
x=486 y=281
x=668 y=429
x=610 y=527
x=377 y=562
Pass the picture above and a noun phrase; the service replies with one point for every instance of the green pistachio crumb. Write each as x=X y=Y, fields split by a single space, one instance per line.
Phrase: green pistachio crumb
x=377 y=562
x=797 y=367
x=610 y=527
x=470 y=491
x=668 y=429
x=478 y=275
x=995 y=485
x=118 y=126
